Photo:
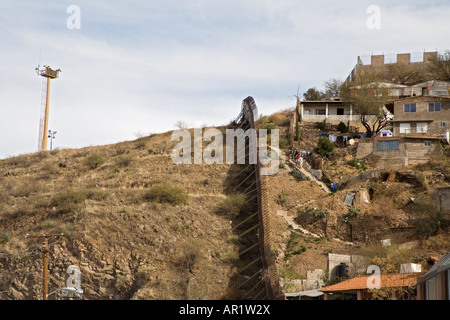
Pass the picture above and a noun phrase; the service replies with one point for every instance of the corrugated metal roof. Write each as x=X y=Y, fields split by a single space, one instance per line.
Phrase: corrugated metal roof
x=441 y=265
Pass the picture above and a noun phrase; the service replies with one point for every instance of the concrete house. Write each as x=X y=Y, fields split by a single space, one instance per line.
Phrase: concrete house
x=330 y=112
x=422 y=115
x=396 y=152
x=419 y=124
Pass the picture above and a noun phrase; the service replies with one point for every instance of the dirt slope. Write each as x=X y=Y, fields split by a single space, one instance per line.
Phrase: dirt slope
x=126 y=246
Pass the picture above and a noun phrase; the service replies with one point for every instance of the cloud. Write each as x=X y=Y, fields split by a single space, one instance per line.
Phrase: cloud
x=141 y=65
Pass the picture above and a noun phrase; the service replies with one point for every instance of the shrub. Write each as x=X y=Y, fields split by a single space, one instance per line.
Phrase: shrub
x=320 y=213
x=76 y=214
x=192 y=253
x=94 y=160
x=124 y=160
x=141 y=144
x=320 y=125
x=358 y=164
x=300 y=176
x=233 y=205
x=317 y=213
x=68 y=200
x=284 y=142
x=342 y=128
x=68 y=229
x=428 y=217
x=281 y=119
x=282 y=198
x=351 y=214
x=230 y=256
x=164 y=193
x=5 y=237
x=265 y=122
x=48 y=224
x=324 y=147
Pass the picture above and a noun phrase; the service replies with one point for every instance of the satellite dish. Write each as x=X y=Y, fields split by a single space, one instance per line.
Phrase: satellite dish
x=71 y=292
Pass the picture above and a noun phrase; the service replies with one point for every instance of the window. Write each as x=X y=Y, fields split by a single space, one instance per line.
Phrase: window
x=340 y=111
x=388 y=145
x=434 y=107
x=409 y=107
x=427 y=143
x=320 y=112
x=405 y=128
x=430 y=289
x=421 y=127
x=442 y=125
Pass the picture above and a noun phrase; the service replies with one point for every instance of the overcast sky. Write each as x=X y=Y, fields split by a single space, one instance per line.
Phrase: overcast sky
x=131 y=67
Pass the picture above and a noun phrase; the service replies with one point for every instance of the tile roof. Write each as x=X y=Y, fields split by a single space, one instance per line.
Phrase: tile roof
x=387 y=280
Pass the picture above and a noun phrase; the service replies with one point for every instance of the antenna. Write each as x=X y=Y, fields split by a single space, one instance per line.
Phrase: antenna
x=47 y=73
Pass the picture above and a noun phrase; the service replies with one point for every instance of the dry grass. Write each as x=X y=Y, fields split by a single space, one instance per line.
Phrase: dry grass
x=165 y=193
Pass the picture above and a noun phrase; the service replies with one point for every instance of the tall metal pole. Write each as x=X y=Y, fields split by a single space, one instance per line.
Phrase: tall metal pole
x=51 y=135
x=47 y=102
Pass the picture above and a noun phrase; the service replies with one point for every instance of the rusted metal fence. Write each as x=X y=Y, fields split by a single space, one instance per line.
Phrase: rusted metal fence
x=270 y=272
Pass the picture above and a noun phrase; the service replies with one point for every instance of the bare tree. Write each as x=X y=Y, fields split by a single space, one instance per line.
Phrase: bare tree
x=333 y=88
x=182 y=125
x=368 y=95
x=439 y=66
x=407 y=74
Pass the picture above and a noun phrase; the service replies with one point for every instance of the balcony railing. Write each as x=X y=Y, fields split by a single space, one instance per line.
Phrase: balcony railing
x=331 y=117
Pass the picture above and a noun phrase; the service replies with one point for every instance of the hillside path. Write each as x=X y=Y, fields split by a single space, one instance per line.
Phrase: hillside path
x=309 y=175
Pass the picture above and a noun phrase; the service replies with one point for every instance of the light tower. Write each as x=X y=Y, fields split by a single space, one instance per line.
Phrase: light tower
x=48 y=74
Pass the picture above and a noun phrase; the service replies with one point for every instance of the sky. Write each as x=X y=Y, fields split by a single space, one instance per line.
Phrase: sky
x=132 y=68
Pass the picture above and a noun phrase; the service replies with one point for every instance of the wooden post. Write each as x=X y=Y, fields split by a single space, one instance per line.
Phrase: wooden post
x=45 y=268
x=359 y=295
x=45 y=259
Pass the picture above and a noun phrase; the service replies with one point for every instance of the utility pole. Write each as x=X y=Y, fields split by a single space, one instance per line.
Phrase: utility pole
x=45 y=238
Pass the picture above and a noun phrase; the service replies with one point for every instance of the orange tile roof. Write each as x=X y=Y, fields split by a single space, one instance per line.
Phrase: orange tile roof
x=386 y=281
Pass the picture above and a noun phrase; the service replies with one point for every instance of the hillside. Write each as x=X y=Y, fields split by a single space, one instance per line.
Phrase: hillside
x=128 y=245
x=141 y=227
x=399 y=205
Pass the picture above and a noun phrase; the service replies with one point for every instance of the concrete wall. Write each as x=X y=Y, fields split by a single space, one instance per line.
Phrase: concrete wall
x=314 y=280
x=364 y=150
x=410 y=152
x=356 y=264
